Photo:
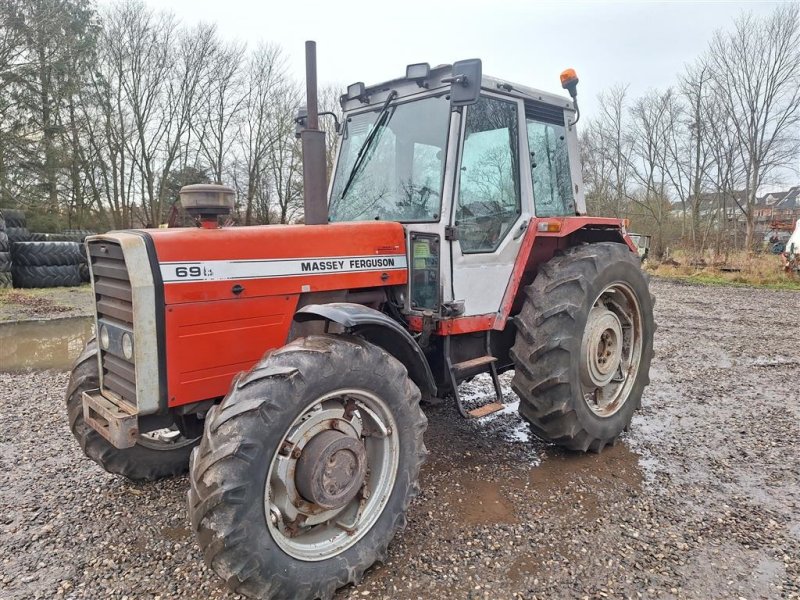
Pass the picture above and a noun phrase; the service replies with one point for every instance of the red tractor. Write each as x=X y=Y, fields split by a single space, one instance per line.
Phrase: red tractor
x=284 y=365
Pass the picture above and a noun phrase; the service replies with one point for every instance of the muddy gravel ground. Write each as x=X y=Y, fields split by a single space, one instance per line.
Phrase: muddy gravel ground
x=700 y=500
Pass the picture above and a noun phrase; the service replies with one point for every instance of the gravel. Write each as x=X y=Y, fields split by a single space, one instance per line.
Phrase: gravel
x=701 y=499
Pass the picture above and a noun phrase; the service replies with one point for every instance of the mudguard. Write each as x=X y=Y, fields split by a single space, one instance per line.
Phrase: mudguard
x=378 y=329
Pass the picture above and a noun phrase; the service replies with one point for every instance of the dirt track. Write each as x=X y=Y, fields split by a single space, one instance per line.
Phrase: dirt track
x=700 y=500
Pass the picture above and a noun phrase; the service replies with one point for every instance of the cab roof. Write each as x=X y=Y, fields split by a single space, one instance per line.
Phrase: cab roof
x=404 y=86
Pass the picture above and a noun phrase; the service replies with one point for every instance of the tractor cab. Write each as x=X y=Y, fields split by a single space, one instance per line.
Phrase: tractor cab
x=465 y=161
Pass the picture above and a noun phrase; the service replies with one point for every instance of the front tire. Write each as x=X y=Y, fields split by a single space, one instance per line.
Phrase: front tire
x=584 y=345
x=156 y=455
x=268 y=521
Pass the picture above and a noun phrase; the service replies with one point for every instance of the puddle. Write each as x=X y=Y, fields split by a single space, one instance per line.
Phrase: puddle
x=524 y=566
x=614 y=468
x=41 y=345
x=486 y=504
x=175 y=534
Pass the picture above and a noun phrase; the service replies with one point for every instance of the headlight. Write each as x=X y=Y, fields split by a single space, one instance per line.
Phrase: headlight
x=104 y=337
x=127 y=345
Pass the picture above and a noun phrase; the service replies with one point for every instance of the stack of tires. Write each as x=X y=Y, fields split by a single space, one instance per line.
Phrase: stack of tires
x=34 y=260
x=5 y=255
x=16 y=228
x=46 y=264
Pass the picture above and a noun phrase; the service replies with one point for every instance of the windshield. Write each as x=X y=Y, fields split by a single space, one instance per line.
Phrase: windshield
x=399 y=177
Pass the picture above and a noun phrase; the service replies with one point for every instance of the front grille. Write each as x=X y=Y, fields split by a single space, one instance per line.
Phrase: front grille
x=114 y=304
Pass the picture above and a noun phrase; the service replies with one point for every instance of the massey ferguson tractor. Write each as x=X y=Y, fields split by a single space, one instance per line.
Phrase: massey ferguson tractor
x=283 y=366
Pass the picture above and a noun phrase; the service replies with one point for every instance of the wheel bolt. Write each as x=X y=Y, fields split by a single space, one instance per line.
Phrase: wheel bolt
x=296 y=453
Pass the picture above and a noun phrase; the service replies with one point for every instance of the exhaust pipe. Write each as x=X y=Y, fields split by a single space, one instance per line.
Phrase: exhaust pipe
x=315 y=177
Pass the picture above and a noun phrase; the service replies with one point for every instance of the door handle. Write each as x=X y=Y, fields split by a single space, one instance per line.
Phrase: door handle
x=521 y=230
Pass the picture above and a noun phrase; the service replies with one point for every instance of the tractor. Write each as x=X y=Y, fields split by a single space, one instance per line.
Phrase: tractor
x=284 y=366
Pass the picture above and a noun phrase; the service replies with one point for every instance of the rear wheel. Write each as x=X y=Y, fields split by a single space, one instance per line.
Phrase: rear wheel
x=584 y=346
x=306 y=468
x=157 y=454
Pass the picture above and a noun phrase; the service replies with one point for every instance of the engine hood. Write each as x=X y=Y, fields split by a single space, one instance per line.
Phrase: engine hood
x=207 y=264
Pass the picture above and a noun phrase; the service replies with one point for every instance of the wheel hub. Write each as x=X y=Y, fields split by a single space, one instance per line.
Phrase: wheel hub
x=601 y=347
x=331 y=469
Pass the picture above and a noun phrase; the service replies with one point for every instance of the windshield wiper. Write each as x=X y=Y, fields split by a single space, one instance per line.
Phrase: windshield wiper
x=380 y=122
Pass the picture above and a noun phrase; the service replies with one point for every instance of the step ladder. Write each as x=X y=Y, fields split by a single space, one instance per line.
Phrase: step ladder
x=460 y=371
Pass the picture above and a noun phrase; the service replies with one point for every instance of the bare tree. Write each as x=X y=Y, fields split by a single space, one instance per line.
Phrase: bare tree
x=266 y=73
x=283 y=168
x=617 y=146
x=221 y=101
x=649 y=161
x=689 y=151
x=756 y=76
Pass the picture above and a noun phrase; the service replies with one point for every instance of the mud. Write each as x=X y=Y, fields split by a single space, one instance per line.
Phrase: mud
x=701 y=499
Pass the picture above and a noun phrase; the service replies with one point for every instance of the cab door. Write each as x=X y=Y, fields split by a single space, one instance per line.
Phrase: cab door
x=492 y=202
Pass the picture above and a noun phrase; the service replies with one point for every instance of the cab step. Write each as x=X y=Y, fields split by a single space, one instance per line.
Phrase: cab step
x=461 y=370
x=474 y=364
x=486 y=409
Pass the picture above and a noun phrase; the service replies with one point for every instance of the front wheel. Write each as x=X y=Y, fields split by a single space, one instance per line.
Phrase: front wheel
x=584 y=345
x=306 y=468
x=157 y=454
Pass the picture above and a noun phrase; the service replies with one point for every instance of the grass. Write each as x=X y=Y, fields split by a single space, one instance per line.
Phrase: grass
x=22 y=304
x=758 y=270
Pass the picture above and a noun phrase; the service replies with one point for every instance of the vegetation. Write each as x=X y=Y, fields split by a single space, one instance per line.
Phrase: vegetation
x=106 y=113
x=737 y=268
x=685 y=163
x=107 y=110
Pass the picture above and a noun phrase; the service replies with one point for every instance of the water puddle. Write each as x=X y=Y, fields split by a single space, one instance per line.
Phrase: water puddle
x=616 y=466
x=486 y=504
x=41 y=345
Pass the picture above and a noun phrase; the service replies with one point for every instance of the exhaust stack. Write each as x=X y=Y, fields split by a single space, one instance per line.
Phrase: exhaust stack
x=315 y=179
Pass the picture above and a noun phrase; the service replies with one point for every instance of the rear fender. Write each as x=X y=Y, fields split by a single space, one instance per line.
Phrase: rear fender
x=376 y=328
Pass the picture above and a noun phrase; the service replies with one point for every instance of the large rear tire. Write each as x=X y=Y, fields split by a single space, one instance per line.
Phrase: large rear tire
x=584 y=345
x=273 y=519
x=158 y=454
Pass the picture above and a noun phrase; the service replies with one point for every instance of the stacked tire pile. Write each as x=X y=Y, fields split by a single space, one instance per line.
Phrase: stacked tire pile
x=5 y=255
x=36 y=260
x=15 y=226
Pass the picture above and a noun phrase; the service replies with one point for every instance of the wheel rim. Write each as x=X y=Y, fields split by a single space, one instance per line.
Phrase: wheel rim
x=165 y=439
x=611 y=349
x=343 y=452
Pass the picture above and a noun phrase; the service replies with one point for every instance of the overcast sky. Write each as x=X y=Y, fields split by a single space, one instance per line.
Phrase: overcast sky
x=644 y=44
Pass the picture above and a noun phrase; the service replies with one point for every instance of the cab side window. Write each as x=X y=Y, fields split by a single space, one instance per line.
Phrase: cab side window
x=547 y=143
x=489 y=191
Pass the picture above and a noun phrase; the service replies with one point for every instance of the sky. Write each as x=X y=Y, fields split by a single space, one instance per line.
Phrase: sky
x=643 y=44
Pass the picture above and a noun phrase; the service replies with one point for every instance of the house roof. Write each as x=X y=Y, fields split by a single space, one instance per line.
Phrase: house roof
x=790 y=200
x=777 y=198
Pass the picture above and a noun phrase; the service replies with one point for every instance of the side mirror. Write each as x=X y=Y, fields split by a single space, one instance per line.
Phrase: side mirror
x=300 y=121
x=466 y=82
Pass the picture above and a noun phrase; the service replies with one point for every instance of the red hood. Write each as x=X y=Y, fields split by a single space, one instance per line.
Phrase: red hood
x=279 y=241
x=198 y=265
